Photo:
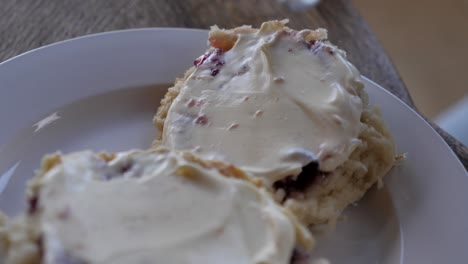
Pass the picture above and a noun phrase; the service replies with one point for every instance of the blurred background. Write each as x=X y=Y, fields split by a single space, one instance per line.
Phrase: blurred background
x=428 y=43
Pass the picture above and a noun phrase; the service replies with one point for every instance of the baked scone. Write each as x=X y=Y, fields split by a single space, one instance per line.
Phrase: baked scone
x=288 y=108
x=154 y=206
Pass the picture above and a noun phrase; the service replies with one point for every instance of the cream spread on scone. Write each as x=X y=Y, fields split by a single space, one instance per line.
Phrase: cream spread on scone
x=276 y=101
x=144 y=206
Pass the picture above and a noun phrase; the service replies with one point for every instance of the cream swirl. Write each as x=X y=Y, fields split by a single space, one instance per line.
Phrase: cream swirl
x=164 y=206
x=274 y=102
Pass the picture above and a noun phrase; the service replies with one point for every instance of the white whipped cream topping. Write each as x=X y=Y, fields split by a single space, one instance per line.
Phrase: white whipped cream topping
x=146 y=207
x=273 y=103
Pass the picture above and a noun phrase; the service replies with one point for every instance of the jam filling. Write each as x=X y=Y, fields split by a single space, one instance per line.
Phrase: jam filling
x=213 y=59
x=299 y=257
x=296 y=185
x=33 y=204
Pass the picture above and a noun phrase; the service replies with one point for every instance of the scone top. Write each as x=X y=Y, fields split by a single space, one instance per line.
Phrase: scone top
x=142 y=206
x=270 y=100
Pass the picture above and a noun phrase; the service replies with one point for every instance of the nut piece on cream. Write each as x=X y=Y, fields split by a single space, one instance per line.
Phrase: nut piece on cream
x=142 y=206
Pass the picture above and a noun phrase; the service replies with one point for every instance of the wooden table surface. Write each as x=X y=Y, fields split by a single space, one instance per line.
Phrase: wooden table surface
x=28 y=24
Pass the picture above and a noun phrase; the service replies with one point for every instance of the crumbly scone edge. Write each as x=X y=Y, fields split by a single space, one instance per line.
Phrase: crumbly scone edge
x=367 y=165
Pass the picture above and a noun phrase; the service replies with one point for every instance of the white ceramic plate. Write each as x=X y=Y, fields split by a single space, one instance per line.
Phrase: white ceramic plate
x=100 y=92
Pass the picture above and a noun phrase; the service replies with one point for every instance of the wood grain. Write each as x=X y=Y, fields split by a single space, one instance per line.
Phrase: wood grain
x=28 y=24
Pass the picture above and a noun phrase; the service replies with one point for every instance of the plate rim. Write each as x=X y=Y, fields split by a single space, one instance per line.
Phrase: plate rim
x=99 y=34
x=381 y=88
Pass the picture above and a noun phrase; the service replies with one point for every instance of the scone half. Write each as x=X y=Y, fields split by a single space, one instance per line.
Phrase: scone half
x=288 y=108
x=155 y=206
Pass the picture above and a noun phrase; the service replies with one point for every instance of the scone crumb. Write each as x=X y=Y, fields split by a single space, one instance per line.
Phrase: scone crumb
x=106 y=156
x=50 y=161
